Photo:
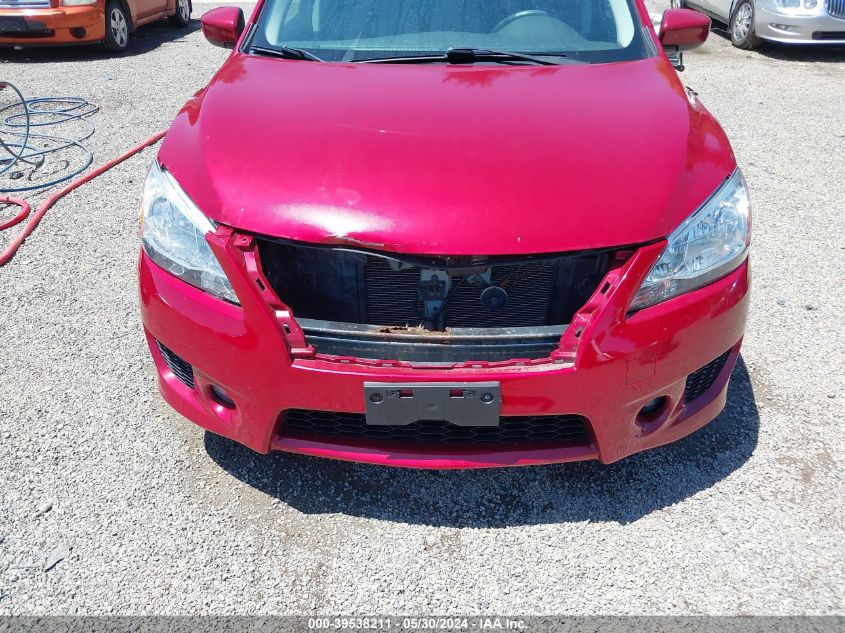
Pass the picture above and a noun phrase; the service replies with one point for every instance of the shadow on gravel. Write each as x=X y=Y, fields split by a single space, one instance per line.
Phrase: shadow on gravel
x=815 y=54
x=586 y=491
x=146 y=39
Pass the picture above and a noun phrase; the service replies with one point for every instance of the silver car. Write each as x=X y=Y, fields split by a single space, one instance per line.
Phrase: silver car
x=790 y=21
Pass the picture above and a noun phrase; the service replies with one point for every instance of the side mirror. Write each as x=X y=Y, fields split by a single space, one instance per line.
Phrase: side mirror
x=683 y=30
x=223 y=26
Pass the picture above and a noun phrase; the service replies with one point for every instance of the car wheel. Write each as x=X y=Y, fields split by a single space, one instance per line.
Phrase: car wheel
x=117 y=27
x=742 y=26
x=182 y=17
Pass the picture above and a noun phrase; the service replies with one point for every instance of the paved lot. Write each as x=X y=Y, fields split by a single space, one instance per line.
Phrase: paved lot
x=744 y=517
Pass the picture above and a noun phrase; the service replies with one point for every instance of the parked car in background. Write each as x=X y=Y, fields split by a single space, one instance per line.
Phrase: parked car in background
x=446 y=234
x=62 y=22
x=751 y=22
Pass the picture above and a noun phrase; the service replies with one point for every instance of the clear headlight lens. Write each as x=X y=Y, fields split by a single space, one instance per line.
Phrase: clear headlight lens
x=712 y=242
x=173 y=234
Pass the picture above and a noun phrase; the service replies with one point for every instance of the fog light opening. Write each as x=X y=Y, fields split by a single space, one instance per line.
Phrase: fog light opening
x=78 y=32
x=652 y=409
x=221 y=397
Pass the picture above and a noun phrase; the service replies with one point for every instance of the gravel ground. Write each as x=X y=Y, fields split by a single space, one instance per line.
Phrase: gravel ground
x=141 y=512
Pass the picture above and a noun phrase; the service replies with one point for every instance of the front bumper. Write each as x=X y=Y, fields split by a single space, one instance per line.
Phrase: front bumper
x=607 y=368
x=65 y=25
x=820 y=29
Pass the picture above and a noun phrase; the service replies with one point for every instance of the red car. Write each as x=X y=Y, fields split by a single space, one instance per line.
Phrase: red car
x=439 y=234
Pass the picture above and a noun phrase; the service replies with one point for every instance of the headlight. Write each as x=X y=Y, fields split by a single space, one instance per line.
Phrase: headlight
x=173 y=234
x=712 y=242
x=790 y=7
x=77 y=3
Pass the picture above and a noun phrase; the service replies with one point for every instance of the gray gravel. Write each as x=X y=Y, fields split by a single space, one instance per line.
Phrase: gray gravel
x=137 y=511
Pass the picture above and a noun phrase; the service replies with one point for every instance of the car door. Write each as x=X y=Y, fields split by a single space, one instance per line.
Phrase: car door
x=145 y=8
x=722 y=9
x=719 y=9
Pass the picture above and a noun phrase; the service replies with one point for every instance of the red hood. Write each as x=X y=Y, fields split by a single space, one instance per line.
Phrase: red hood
x=436 y=159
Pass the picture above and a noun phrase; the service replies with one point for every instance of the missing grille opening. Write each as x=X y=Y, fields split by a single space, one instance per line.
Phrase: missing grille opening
x=431 y=309
x=330 y=284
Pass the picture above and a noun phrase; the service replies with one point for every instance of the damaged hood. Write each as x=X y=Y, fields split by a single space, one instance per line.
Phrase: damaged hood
x=448 y=160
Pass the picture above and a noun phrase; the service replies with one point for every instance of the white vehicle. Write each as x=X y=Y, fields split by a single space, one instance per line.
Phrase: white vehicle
x=789 y=21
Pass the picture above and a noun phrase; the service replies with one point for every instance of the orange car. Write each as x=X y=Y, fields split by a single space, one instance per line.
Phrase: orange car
x=112 y=22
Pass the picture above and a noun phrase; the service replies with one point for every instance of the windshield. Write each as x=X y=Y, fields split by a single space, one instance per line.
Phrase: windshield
x=357 y=30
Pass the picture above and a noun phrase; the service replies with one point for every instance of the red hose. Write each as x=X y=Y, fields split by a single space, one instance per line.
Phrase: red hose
x=29 y=227
x=25 y=209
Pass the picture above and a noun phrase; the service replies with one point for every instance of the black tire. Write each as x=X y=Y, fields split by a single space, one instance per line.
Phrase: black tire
x=742 y=26
x=182 y=17
x=118 y=27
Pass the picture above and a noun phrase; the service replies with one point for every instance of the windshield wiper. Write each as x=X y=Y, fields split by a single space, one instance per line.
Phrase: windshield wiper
x=285 y=52
x=465 y=56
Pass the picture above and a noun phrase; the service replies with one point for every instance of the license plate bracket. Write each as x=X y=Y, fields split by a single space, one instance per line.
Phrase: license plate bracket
x=461 y=403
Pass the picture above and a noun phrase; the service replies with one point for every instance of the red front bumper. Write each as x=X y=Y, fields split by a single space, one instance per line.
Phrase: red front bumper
x=607 y=368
